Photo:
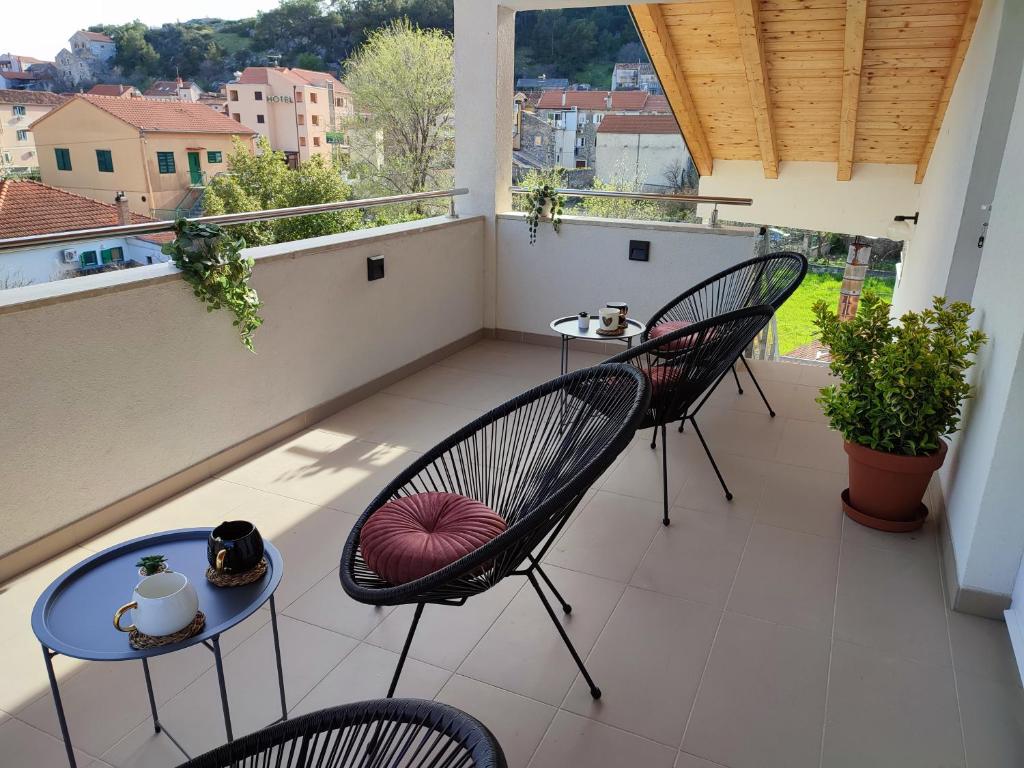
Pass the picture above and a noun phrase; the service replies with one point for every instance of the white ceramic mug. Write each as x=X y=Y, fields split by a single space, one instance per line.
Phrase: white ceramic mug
x=163 y=604
x=609 y=319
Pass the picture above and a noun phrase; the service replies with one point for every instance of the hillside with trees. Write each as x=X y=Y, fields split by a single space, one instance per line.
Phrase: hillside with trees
x=579 y=43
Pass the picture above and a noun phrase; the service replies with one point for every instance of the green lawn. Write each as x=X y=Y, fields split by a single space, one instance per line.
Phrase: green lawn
x=796 y=319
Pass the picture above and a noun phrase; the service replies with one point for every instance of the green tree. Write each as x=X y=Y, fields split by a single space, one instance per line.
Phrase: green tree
x=135 y=57
x=310 y=61
x=261 y=181
x=402 y=81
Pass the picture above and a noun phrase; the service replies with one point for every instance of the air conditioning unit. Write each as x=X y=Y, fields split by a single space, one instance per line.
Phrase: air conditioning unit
x=70 y=256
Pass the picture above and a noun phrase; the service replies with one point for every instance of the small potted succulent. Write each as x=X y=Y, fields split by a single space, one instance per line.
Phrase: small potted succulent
x=544 y=204
x=149 y=565
x=900 y=392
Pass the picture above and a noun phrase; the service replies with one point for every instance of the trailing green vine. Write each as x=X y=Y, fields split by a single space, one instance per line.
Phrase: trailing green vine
x=537 y=198
x=211 y=262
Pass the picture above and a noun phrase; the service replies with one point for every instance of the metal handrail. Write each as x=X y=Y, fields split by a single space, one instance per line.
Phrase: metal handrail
x=709 y=199
x=225 y=219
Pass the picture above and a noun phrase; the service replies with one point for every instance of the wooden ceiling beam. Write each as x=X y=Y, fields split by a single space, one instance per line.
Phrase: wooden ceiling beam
x=650 y=23
x=748 y=26
x=853 y=59
x=970 y=20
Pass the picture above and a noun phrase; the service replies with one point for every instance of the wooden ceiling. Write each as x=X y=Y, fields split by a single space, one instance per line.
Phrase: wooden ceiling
x=842 y=81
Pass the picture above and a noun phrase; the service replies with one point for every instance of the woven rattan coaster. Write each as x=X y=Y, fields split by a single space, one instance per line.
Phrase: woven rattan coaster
x=219 y=579
x=141 y=642
x=613 y=332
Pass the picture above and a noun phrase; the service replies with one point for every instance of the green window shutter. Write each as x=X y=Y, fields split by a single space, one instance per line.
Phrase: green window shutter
x=214 y=157
x=165 y=162
x=63 y=158
x=87 y=258
x=104 y=161
x=106 y=255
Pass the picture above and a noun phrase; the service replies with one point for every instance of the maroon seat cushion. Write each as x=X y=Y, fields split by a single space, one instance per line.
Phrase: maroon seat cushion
x=662 y=376
x=413 y=536
x=664 y=329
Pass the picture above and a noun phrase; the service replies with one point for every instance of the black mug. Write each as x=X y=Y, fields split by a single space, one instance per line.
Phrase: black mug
x=234 y=547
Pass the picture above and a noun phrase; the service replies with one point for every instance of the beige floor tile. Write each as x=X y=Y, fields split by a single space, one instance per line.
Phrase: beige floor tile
x=653 y=648
x=787 y=577
x=810 y=444
x=142 y=748
x=993 y=715
x=529 y=361
x=696 y=557
x=803 y=499
x=464 y=388
x=522 y=651
x=638 y=471
x=576 y=741
x=366 y=674
x=744 y=476
x=689 y=761
x=4 y=717
x=446 y=634
x=982 y=647
x=771 y=370
x=754 y=435
x=884 y=711
x=403 y=422
x=326 y=469
x=609 y=538
x=23 y=745
x=892 y=601
x=326 y=605
x=816 y=376
x=22 y=669
x=761 y=702
x=922 y=540
x=791 y=400
x=518 y=723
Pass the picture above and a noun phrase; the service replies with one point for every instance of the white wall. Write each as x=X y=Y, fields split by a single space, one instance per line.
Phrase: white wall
x=640 y=156
x=583 y=265
x=42 y=265
x=807 y=195
x=73 y=442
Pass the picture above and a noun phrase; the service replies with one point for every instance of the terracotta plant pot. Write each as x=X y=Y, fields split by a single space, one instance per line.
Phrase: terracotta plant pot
x=886 y=488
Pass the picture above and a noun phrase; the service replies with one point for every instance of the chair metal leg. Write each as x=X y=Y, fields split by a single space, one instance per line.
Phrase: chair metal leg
x=566 y=607
x=405 y=650
x=739 y=387
x=728 y=493
x=759 y=390
x=664 y=474
x=594 y=690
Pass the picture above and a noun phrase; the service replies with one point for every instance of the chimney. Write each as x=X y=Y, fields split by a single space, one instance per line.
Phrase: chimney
x=608 y=99
x=563 y=98
x=124 y=215
x=179 y=82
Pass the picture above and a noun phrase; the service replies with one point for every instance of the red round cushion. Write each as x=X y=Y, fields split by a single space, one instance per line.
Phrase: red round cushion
x=664 y=329
x=662 y=376
x=413 y=536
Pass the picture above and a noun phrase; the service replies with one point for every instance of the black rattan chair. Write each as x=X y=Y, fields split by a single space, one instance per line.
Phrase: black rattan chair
x=767 y=280
x=530 y=460
x=683 y=365
x=386 y=733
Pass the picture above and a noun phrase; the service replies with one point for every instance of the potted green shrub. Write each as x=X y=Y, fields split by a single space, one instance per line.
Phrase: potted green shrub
x=149 y=565
x=900 y=391
x=544 y=204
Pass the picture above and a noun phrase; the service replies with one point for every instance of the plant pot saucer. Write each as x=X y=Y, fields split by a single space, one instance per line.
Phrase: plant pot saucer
x=880 y=523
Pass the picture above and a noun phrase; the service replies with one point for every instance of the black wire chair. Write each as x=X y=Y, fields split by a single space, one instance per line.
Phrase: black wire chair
x=530 y=460
x=769 y=279
x=685 y=364
x=386 y=733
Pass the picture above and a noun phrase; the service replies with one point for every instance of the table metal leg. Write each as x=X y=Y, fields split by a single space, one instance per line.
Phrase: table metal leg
x=277 y=654
x=48 y=656
x=565 y=356
x=152 y=698
x=215 y=640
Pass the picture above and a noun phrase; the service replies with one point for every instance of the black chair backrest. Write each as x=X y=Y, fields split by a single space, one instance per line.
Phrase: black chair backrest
x=530 y=460
x=684 y=363
x=767 y=280
x=385 y=733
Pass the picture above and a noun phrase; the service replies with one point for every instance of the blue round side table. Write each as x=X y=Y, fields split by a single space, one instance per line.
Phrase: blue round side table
x=73 y=615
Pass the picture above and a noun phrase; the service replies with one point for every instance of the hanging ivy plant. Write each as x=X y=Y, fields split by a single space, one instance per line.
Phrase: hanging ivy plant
x=539 y=198
x=211 y=262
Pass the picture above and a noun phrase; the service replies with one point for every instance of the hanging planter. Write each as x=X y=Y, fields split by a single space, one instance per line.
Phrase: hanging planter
x=545 y=204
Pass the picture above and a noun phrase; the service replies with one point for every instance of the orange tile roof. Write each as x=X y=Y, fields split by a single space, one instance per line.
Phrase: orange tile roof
x=39 y=98
x=110 y=89
x=164 y=116
x=99 y=37
x=315 y=78
x=593 y=100
x=657 y=103
x=260 y=76
x=638 y=124
x=31 y=208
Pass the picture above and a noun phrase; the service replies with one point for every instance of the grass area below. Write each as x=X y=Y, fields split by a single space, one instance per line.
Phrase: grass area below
x=796 y=318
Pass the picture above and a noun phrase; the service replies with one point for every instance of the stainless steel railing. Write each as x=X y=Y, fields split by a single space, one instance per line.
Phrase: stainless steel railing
x=226 y=219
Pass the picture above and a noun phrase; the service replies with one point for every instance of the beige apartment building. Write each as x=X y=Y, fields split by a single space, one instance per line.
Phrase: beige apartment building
x=18 y=110
x=159 y=153
x=294 y=108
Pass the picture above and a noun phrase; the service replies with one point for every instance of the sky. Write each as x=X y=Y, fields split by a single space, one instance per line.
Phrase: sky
x=42 y=30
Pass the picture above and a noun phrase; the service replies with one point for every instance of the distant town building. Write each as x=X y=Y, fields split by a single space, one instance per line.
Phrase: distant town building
x=31 y=208
x=640 y=148
x=295 y=109
x=11 y=62
x=160 y=153
x=119 y=90
x=542 y=83
x=86 y=56
x=635 y=77
x=174 y=90
x=18 y=110
x=26 y=81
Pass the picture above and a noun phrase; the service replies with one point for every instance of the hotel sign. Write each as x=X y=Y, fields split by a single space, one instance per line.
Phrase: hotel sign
x=284 y=99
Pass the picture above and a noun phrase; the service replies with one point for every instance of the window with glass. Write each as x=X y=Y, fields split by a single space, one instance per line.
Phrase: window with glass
x=258 y=95
x=104 y=161
x=301 y=119
x=260 y=119
x=298 y=96
x=233 y=95
x=88 y=259
x=19 y=110
x=316 y=119
x=63 y=158
x=214 y=157
x=165 y=162
x=22 y=135
x=316 y=141
x=238 y=117
x=302 y=141
x=112 y=255
x=312 y=98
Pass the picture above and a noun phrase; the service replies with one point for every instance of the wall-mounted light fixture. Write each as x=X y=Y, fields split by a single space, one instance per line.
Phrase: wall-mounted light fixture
x=900 y=228
x=907 y=218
